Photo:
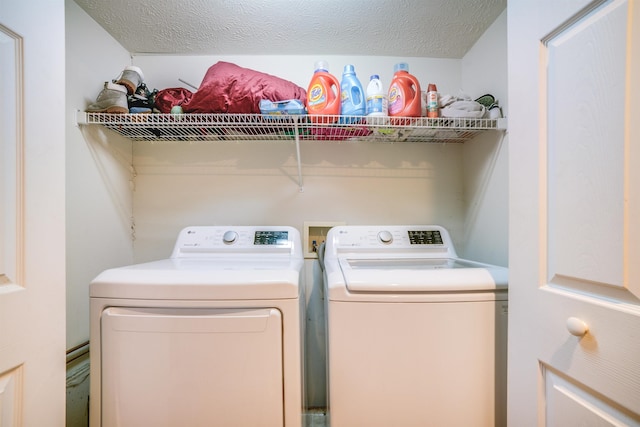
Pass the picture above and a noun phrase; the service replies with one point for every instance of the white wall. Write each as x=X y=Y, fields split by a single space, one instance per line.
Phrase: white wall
x=98 y=170
x=255 y=183
x=486 y=186
x=484 y=67
x=483 y=233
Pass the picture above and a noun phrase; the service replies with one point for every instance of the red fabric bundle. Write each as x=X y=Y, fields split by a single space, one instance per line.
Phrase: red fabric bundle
x=167 y=98
x=229 y=88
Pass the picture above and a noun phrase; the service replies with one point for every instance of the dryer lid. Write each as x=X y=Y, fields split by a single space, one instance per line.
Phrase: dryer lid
x=201 y=279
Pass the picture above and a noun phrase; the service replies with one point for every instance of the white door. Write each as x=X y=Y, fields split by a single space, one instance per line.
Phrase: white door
x=574 y=312
x=32 y=239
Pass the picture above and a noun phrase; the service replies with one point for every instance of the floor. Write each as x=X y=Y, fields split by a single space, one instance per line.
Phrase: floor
x=315 y=419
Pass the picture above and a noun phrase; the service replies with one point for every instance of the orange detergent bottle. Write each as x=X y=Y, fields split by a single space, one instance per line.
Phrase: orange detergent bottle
x=323 y=95
x=405 y=98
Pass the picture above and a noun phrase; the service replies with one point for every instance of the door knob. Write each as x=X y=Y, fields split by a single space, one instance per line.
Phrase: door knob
x=577 y=327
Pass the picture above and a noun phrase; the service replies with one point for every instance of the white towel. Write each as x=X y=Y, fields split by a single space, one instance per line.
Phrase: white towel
x=465 y=109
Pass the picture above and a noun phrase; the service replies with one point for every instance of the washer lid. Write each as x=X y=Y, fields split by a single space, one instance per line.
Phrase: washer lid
x=240 y=278
x=420 y=275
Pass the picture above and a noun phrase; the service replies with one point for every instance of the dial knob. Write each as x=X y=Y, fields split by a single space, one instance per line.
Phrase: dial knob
x=230 y=237
x=385 y=237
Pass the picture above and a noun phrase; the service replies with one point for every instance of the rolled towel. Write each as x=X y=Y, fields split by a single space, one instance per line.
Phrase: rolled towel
x=446 y=100
x=464 y=109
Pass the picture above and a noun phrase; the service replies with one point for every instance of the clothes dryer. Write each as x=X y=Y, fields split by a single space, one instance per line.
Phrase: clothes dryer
x=210 y=336
x=416 y=336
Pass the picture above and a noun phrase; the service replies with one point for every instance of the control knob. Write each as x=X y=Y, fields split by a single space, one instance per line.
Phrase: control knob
x=385 y=237
x=229 y=237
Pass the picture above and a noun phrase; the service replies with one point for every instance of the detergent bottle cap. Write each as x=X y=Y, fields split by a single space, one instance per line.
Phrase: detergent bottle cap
x=401 y=66
x=321 y=66
x=375 y=77
x=349 y=69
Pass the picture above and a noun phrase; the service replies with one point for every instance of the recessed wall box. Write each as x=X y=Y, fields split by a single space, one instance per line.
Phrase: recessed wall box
x=315 y=233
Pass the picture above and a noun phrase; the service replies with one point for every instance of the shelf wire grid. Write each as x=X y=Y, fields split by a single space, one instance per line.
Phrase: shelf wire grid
x=257 y=127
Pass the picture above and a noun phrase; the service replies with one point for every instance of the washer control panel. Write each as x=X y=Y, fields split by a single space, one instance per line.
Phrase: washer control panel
x=426 y=238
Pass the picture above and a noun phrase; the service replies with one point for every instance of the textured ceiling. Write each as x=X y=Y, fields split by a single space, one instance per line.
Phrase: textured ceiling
x=423 y=28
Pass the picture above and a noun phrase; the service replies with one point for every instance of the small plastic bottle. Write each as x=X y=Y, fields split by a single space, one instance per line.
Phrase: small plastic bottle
x=352 y=101
x=377 y=103
x=405 y=98
x=323 y=94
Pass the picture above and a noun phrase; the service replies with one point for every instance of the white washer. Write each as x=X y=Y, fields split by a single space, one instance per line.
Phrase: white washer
x=416 y=336
x=211 y=336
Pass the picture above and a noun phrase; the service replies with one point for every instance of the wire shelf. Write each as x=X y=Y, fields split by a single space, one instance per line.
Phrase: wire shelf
x=257 y=127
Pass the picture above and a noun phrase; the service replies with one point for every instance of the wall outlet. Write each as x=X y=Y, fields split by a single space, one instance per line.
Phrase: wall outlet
x=315 y=233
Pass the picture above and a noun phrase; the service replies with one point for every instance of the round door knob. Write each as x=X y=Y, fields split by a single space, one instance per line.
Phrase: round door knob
x=577 y=327
x=385 y=237
x=229 y=237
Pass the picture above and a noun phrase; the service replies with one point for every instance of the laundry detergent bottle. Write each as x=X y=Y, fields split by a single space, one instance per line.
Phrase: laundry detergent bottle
x=323 y=94
x=405 y=96
x=352 y=99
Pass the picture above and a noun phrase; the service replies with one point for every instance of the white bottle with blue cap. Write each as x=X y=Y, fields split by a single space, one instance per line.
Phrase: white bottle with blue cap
x=377 y=102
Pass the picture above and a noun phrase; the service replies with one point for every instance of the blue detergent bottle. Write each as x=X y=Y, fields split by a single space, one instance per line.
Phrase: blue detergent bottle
x=352 y=99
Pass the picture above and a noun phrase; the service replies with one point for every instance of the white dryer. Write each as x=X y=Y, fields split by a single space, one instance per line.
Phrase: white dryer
x=209 y=337
x=416 y=336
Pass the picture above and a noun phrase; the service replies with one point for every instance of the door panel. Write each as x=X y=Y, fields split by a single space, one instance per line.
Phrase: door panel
x=11 y=148
x=570 y=404
x=585 y=88
x=10 y=397
x=32 y=232
x=195 y=367
x=574 y=214
x=11 y=233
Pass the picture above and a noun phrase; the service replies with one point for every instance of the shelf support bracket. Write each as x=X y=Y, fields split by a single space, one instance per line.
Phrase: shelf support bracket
x=297 y=133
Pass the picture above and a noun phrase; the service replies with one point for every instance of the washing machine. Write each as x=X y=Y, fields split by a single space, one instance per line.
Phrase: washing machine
x=211 y=336
x=416 y=336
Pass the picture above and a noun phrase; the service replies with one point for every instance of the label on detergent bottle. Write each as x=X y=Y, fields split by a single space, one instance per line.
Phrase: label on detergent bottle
x=375 y=104
x=396 y=103
x=317 y=96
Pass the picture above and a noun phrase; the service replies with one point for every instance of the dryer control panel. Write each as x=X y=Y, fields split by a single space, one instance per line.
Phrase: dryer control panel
x=203 y=240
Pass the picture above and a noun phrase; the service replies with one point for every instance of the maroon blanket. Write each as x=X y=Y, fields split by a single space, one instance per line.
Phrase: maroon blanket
x=229 y=88
x=170 y=97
